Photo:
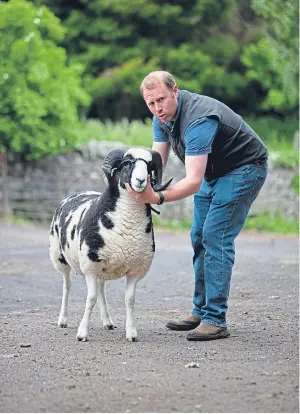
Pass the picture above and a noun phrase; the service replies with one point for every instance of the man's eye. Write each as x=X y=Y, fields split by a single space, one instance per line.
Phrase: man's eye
x=160 y=99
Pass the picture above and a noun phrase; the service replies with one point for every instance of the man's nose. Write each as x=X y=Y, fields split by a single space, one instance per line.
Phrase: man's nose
x=158 y=107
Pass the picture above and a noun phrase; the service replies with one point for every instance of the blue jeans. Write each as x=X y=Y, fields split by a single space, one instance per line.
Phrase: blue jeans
x=220 y=210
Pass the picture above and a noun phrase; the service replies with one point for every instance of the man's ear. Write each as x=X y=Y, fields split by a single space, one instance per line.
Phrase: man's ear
x=175 y=91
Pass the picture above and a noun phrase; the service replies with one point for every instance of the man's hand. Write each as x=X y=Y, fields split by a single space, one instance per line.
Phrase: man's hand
x=148 y=196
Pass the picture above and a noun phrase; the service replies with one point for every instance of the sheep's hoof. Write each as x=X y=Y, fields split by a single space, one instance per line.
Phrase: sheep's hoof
x=131 y=339
x=108 y=327
x=131 y=334
x=62 y=322
x=82 y=339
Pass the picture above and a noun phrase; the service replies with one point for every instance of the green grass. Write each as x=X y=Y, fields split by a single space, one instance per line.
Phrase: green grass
x=295 y=183
x=272 y=223
x=273 y=130
x=174 y=225
x=277 y=135
x=135 y=133
x=266 y=222
x=19 y=220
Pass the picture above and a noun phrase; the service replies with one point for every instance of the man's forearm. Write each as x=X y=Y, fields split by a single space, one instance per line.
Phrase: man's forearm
x=182 y=189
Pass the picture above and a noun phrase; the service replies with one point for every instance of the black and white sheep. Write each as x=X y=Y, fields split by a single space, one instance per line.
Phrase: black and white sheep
x=107 y=236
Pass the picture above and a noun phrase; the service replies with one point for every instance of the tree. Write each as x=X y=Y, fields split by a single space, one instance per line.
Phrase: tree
x=120 y=41
x=273 y=60
x=40 y=93
x=214 y=47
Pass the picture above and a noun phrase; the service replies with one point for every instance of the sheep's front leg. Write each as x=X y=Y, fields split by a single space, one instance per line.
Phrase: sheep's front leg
x=105 y=316
x=63 y=315
x=131 y=333
x=92 y=293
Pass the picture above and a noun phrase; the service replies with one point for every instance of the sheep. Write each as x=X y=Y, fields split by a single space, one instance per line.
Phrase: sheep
x=107 y=236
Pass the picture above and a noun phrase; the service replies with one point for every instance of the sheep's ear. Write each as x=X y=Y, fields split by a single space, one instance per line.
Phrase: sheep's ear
x=112 y=161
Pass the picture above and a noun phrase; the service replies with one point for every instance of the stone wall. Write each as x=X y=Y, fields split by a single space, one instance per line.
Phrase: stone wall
x=36 y=190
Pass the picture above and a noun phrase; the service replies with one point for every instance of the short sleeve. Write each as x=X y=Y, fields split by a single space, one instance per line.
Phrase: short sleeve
x=158 y=134
x=199 y=136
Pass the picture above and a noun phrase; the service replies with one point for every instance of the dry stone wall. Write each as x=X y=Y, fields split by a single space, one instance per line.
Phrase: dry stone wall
x=36 y=189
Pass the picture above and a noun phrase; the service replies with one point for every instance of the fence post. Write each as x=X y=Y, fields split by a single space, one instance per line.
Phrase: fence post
x=4 y=175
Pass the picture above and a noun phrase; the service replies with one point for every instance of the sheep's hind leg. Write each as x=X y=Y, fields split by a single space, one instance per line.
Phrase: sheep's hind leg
x=92 y=293
x=105 y=316
x=131 y=333
x=63 y=315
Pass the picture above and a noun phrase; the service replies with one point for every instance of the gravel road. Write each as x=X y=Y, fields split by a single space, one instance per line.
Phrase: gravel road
x=44 y=369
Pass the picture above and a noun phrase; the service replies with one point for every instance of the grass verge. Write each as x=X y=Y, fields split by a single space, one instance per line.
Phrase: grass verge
x=265 y=222
x=276 y=134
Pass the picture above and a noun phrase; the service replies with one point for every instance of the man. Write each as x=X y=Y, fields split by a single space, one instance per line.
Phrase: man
x=226 y=166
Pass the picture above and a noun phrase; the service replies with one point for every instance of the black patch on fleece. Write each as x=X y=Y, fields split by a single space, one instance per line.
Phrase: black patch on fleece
x=52 y=224
x=107 y=222
x=93 y=256
x=148 y=210
x=69 y=207
x=79 y=223
x=153 y=241
x=89 y=225
x=149 y=226
x=62 y=259
x=63 y=234
x=73 y=232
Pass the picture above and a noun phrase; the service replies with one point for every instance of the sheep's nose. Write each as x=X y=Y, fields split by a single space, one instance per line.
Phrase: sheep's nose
x=141 y=181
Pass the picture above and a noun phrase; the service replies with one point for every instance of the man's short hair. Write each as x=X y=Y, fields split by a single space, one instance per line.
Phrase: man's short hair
x=153 y=78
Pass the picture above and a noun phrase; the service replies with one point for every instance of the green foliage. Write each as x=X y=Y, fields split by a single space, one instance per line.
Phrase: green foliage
x=272 y=223
x=273 y=60
x=274 y=130
x=218 y=48
x=135 y=133
x=295 y=184
x=19 y=220
x=266 y=222
x=40 y=93
x=119 y=42
x=277 y=135
x=106 y=47
x=174 y=225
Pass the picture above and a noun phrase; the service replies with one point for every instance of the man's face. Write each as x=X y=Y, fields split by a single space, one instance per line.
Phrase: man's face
x=162 y=102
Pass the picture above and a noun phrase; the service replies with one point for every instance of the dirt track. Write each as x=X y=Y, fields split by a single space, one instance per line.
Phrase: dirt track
x=254 y=370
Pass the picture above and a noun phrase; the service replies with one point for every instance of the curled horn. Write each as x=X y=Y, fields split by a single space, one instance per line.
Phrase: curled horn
x=112 y=161
x=157 y=170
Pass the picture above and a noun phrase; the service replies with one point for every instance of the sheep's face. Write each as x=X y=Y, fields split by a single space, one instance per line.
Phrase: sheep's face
x=135 y=169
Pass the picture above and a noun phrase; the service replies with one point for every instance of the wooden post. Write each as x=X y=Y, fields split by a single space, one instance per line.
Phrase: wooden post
x=5 y=191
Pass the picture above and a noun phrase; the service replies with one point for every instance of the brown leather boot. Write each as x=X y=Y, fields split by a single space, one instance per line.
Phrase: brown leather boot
x=185 y=324
x=207 y=332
